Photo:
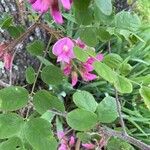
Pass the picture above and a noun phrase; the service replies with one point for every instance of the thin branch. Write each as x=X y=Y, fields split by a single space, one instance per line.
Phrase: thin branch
x=109 y=47
x=41 y=64
x=56 y=34
x=77 y=146
x=58 y=113
x=10 y=71
x=124 y=137
x=12 y=45
x=119 y=112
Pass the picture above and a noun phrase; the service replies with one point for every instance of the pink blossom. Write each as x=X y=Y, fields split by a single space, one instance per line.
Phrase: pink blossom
x=67 y=69
x=7 y=61
x=5 y=56
x=43 y=6
x=32 y=1
x=80 y=43
x=74 y=77
x=88 y=65
x=60 y=134
x=88 y=146
x=72 y=141
x=100 y=57
x=62 y=147
x=88 y=76
x=63 y=49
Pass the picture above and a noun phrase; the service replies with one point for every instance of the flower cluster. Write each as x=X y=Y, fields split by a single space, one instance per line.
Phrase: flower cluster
x=43 y=6
x=68 y=142
x=65 y=142
x=5 y=56
x=63 y=49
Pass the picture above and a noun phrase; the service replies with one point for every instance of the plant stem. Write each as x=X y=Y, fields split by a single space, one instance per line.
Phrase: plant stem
x=119 y=112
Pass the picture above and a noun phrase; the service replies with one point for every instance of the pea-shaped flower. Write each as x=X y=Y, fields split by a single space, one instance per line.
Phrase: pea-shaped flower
x=63 y=49
x=43 y=6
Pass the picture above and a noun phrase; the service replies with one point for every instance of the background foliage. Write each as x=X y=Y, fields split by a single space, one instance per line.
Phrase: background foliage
x=32 y=114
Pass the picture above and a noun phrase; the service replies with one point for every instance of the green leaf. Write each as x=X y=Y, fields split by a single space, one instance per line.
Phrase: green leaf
x=145 y=93
x=107 y=110
x=44 y=101
x=7 y=22
x=81 y=120
x=10 y=125
x=84 y=137
x=103 y=35
x=38 y=134
x=44 y=61
x=125 y=68
x=85 y=100
x=142 y=79
x=105 y=6
x=91 y=52
x=113 y=60
x=101 y=17
x=123 y=85
x=15 y=31
x=83 y=11
x=80 y=54
x=48 y=116
x=89 y=36
x=117 y=144
x=13 y=98
x=52 y=75
x=30 y=75
x=12 y=144
x=126 y=20
x=105 y=72
x=36 y=48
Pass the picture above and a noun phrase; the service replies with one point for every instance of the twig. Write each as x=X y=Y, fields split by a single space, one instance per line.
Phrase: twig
x=38 y=72
x=109 y=47
x=12 y=45
x=10 y=72
x=56 y=34
x=127 y=138
x=58 y=113
x=77 y=146
x=119 y=112
x=37 y=75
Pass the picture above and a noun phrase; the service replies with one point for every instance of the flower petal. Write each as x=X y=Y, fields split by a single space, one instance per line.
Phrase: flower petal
x=88 y=146
x=88 y=76
x=66 y=4
x=55 y=12
x=7 y=61
x=74 y=77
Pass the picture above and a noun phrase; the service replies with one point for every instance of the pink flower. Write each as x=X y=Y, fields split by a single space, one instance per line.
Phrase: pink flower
x=72 y=141
x=60 y=134
x=32 y=1
x=67 y=69
x=100 y=57
x=88 y=76
x=63 y=49
x=80 y=43
x=74 y=77
x=88 y=65
x=5 y=56
x=88 y=146
x=62 y=147
x=43 y=6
